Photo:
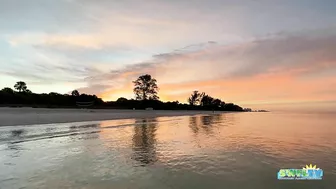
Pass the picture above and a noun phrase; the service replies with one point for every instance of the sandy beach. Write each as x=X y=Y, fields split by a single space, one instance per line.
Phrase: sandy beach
x=30 y=116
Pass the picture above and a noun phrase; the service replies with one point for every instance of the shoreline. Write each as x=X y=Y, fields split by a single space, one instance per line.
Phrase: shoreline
x=32 y=116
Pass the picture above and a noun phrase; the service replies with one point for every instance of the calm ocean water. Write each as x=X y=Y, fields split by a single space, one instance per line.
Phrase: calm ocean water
x=232 y=150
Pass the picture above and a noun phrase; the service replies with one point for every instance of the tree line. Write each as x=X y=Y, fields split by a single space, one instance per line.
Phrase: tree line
x=22 y=96
x=145 y=90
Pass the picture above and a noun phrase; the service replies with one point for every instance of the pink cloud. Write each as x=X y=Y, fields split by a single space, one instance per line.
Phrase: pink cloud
x=277 y=69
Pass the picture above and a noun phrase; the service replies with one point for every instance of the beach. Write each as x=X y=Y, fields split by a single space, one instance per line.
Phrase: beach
x=30 y=116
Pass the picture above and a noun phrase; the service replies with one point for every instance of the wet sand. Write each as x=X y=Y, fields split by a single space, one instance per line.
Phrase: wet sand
x=30 y=116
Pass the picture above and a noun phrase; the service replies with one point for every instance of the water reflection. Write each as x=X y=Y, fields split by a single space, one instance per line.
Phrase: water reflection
x=83 y=132
x=50 y=129
x=37 y=132
x=144 y=141
x=17 y=133
x=204 y=123
x=14 y=150
x=194 y=124
x=207 y=120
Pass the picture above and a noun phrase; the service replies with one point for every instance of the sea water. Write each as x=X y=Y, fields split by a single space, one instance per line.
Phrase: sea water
x=229 y=150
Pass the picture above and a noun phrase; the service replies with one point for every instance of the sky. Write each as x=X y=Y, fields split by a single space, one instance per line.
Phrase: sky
x=255 y=53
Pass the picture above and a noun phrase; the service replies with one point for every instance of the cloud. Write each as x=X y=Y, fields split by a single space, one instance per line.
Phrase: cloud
x=40 y=69
x=237 y=50
x=291 y=53
x=97 y=25
x=276 y=67
x=273 y=68
x=49 y=16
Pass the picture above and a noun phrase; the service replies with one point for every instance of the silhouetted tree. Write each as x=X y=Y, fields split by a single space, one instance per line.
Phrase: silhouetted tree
x=20 y=86
x=122 y=100
x=222 y=104
x=232 y=107
x=216 y=102
x=7 y=90
x=195 y=98
x=207 y=100
x=54 y=94
x=27 y=91
x=145 y=88
x=75 y=93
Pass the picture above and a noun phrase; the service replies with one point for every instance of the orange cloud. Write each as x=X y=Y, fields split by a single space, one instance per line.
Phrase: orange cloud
x=277 y=69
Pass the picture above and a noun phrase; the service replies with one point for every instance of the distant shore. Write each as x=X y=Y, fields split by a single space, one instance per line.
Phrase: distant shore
x=30 y=116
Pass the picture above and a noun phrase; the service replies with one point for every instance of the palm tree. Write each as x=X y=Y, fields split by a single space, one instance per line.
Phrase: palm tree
x=145 y=88
x=20 y=86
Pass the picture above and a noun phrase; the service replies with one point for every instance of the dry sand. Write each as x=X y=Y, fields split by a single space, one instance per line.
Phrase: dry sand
x=29 y=116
